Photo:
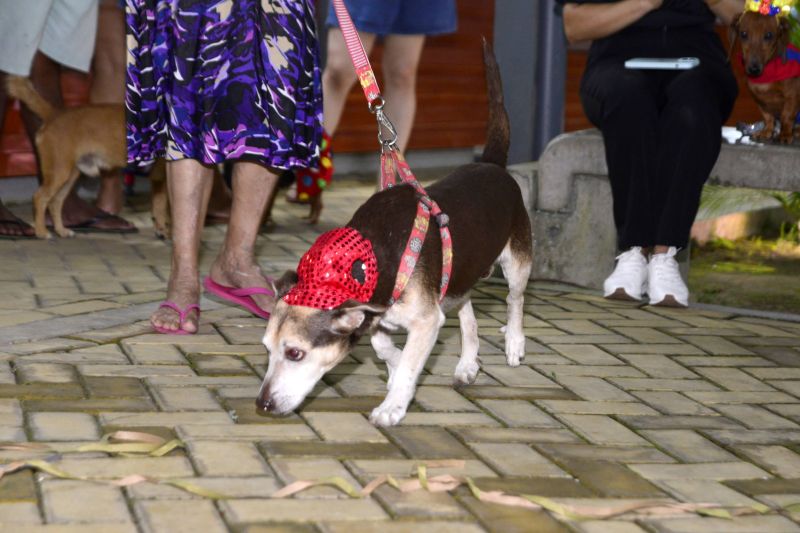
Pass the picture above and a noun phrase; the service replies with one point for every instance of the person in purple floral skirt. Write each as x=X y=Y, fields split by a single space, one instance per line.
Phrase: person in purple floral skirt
x=221 y=80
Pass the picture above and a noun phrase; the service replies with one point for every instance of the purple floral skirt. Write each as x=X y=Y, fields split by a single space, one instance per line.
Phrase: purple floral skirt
x=217 y=80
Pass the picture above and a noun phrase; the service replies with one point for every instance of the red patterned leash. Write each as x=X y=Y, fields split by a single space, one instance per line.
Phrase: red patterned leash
x=392 y=162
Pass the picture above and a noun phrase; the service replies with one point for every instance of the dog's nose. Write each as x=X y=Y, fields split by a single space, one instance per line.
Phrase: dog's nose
x=264 y=400
x=754 y=69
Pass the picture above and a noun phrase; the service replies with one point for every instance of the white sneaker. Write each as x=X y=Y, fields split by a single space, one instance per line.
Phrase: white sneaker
x=665 y=284
x=629 y=278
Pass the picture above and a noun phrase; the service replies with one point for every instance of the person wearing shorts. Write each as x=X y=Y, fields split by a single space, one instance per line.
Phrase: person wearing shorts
x=403 y=26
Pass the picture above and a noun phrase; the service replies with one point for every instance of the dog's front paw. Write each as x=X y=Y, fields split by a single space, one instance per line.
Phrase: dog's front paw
x=387 y=414
x=515 y=350
x=65 y=233
x=466 y=373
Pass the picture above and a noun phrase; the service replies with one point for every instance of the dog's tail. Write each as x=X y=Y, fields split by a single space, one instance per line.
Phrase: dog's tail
x=497 y=132
x=23 y=90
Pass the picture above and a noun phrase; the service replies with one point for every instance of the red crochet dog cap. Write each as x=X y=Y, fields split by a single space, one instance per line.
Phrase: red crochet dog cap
x=339 y=266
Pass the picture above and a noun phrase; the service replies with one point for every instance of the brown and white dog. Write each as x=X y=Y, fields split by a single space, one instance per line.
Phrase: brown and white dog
x=87 y=139
x=764 y=40
x=488 y=223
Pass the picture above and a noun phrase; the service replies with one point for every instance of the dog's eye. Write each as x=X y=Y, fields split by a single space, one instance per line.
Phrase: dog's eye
x=743 y=35
x=293 y=354
x=768 y=36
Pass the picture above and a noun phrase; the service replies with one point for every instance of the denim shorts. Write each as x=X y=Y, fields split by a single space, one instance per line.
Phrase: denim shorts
x=405 y=17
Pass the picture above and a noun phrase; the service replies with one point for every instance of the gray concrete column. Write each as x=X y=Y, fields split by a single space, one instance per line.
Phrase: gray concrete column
x=531 y=49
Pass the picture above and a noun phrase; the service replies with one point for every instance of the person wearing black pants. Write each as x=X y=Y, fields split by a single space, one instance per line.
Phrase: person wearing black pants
x=661 y=128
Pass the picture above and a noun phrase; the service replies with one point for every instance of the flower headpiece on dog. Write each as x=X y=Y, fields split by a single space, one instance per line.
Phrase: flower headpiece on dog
x=771 y=8
x=339 y=266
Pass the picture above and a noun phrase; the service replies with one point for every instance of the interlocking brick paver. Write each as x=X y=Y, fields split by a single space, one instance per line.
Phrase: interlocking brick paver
x=596 y=408
x=343 y=427
x=748 y=524
x=659 y=366
x=220 y=458
x=186 y=399
x=595 y=389
x=705 y=490
x=609 y=526
x=755 y=417
x=734 y=379
x=516 y=459
x=586 y=354
x=614 y=403
x=777 y=459
x=687 y=446
x=64 y=426
x=164 y=419
x=602 y=430
x=519 y=413
x=244 y=511
x=289 y=470
x=713 y=471
x=114 y=467
x=45 y=373
x=19 y=514
x=63 y=502
x=179 y=516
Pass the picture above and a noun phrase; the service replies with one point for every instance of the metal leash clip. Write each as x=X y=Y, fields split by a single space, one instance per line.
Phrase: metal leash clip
x=385 y=126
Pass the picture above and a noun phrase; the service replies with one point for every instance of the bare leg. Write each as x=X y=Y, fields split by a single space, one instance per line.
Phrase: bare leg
x=108 y=87
x=339 y=76
x=400 y=62
x=235 y=265
x=189 y=185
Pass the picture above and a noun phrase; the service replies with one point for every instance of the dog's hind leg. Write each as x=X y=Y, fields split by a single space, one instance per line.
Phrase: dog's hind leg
x=57 y=202
x=467 y=367
x=386 y=351
x=516 y=269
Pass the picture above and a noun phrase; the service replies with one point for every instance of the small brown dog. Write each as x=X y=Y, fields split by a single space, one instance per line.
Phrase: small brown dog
x=86 y=139
x=764 y=39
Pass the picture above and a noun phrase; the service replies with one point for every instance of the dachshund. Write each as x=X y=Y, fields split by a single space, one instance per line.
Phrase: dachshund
x=765 y=48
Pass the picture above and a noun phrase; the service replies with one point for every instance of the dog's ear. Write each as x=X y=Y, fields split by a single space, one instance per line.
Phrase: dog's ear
x=284 y=284
x=782 y=41
x=733 y=33
x=353 y=315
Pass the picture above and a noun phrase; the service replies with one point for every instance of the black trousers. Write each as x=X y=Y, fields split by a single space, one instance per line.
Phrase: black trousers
x=662 y=135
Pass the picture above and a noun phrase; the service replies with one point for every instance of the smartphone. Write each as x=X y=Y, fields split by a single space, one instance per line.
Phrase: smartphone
x=662 y=63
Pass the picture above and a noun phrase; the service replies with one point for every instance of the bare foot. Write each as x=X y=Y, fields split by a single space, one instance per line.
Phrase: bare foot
x=236 y=273
x=79 y=213
x=12 y=226
x=183 y=290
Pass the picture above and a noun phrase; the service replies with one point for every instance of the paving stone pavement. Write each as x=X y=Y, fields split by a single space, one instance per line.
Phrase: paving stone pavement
x=614 y=403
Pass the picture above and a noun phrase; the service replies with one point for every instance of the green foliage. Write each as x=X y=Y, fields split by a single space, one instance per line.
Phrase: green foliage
x=790 y=202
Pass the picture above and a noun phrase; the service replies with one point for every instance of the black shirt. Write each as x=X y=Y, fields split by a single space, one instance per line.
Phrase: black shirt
x=678 y=28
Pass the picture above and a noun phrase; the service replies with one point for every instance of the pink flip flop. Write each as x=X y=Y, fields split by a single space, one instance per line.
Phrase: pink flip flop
x=241 y=297
x=181 y=316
